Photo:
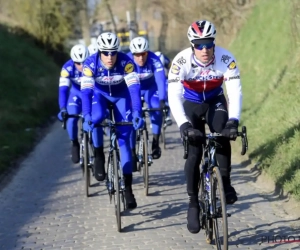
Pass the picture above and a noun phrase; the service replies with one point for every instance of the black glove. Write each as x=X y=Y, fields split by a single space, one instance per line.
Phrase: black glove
x=162 y=104
x=194 y=135
x=231 y=129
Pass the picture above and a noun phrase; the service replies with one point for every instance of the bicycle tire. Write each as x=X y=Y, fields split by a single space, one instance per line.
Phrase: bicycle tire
x=86 y=162
x=217 y=179
x=145 y=167
x=91 y=154
x=163 y=135
x=117 y=191
x=202 y=214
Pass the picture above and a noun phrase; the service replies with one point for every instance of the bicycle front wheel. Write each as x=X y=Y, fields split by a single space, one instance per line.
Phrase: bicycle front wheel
x=220 y=223
x=205 y=216
x=146 y=167
x=86 y=164
x=117 y=191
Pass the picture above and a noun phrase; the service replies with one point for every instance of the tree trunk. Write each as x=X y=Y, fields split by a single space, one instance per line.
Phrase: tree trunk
x=85 y=26
x=163 y=31
x=111 y=15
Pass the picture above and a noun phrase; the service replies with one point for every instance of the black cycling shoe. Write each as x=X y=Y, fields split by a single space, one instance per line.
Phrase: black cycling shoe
x=75 y=151
x=129 y=196
x=230 y=193
x=99 y=164
x=156 y=153
x=193 y=221
x=130 y=200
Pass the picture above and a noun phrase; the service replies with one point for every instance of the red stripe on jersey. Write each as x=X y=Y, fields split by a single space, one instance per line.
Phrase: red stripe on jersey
x=201 y=86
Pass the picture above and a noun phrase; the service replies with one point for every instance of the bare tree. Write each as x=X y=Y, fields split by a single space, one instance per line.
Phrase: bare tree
x=108 y=7
x=85 y=27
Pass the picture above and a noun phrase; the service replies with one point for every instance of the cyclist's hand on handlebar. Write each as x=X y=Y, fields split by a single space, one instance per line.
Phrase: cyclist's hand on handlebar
x=162 y=104
x=138 y=121
x=88 y=124
x=231 y=129
x=195 y=136
x=61 y=114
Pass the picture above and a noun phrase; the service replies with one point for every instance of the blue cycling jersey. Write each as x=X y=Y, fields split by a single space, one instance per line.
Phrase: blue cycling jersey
x=110 y=82
x=152 y=73
x=69 y=77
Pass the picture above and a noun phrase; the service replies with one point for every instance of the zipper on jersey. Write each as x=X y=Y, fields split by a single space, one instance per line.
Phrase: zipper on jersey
x=108 y=73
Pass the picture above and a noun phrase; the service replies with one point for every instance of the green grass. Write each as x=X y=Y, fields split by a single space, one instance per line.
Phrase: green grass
x=28 y=94
x=266 y=52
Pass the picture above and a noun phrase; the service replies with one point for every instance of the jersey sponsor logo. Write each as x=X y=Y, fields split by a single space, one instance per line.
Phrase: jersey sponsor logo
x=175 y=69
x=174 y=80
x=232 y=78
x=194 y=65
x=205 y=78
x=129 y=67
x=181 y=61
x=87 y=72
x=64 y=73
x=232 y=65
x=225 y=59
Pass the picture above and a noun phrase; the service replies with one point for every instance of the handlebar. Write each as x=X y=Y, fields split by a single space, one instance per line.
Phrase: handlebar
x=211 y=136
x=66 y=116
x=106 y=124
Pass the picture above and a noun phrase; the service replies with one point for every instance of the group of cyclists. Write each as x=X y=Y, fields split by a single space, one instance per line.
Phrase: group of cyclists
x=101 y=74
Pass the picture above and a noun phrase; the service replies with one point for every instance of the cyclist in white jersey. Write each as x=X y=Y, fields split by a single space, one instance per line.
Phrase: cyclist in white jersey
x=195 y=91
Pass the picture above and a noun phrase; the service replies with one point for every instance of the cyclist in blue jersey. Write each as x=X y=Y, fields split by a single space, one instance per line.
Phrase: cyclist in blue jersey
x=111 y=76
x=70 y=95
x=167 y=64
x=93 y=48
x=153 y=88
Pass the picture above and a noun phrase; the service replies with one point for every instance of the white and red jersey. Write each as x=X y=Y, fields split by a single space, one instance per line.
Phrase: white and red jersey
x=193 y=81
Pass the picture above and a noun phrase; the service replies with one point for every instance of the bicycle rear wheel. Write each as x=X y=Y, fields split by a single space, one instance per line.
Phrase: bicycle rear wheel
x=86 y=164
x=117 y=191
x=145 y=160
x=220 y=223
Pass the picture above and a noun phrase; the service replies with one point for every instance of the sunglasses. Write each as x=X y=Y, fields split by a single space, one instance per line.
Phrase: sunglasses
x=140 y=54
x=109 y=53
x=77 y=63
x=206 y=46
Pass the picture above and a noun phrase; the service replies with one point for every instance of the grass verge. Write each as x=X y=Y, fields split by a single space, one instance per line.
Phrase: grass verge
x=267 y=54
x=28 y=85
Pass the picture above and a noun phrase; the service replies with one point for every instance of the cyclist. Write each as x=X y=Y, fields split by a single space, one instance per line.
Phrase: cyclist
x=152 y=78
x=70 y=99
x=166 y=63
x=197 y=74
x=111 y=74
x=92 y=48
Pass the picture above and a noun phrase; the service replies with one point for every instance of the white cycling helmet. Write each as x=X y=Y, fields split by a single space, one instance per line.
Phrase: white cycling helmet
x=108 y=41
x=200 y=30
x=139 y=45
x=161 y=57
x=93 y=48
x=79 y=53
